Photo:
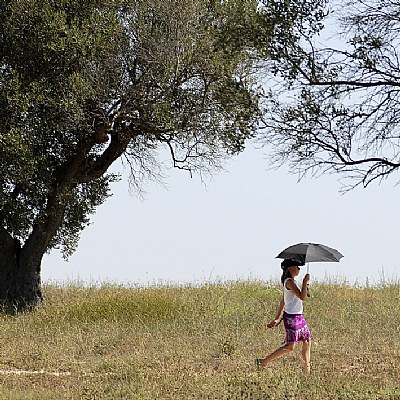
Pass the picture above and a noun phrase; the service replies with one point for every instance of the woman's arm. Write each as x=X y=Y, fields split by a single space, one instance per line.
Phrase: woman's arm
x=301 y=294
x=278 y=315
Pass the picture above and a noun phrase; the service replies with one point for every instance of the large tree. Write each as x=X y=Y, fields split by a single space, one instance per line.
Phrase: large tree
x=84 y=83
x=336 y=100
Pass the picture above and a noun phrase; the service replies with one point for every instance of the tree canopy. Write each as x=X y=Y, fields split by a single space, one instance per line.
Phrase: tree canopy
x=84 y=83
x=334 y=103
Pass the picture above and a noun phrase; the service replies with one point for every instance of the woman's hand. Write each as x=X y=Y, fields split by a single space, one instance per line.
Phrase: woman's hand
x=306 y=278
x=272 y=324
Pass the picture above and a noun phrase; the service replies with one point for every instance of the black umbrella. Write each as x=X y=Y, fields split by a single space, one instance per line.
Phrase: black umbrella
x=310 y=252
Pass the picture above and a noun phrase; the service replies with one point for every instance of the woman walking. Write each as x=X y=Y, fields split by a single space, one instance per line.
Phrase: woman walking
x=291 y=306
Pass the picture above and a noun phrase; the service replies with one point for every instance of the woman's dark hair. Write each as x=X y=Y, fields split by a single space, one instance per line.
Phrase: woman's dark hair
x=285 y=275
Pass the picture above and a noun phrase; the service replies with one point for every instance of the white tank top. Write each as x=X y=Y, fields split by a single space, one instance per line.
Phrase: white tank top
x=293 y=305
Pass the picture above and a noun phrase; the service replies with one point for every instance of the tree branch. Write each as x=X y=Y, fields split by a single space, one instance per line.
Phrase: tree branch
x=354 y=83
x=91 y=169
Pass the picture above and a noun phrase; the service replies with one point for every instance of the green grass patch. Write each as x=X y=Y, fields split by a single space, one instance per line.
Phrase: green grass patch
x=167 y=342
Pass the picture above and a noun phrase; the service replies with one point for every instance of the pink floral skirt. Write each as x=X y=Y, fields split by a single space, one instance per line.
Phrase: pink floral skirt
x=296 y=328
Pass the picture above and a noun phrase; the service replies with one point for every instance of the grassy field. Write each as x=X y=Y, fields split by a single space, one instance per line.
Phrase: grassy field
x=199 y=343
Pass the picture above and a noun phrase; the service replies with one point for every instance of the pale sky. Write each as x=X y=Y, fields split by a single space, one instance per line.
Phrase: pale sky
x=233 y=228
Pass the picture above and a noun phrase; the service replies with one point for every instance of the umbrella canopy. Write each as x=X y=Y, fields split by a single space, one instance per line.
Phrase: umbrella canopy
x=310 y=252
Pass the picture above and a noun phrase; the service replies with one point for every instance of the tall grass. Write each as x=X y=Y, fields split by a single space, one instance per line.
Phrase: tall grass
x=188 y=342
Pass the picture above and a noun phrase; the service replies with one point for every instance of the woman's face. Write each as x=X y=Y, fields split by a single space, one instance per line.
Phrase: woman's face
x=294 y=270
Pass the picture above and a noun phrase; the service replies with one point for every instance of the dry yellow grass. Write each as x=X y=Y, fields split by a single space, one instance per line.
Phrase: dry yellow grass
x=199 y=343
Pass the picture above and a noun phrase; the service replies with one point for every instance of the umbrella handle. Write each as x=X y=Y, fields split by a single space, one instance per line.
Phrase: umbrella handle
x=308 y=268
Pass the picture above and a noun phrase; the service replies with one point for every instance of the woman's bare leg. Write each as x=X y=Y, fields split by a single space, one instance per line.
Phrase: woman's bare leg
x=306 y=356
x=287 y=348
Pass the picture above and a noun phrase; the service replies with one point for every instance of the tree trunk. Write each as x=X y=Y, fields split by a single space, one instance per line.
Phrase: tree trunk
x=20 y=282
